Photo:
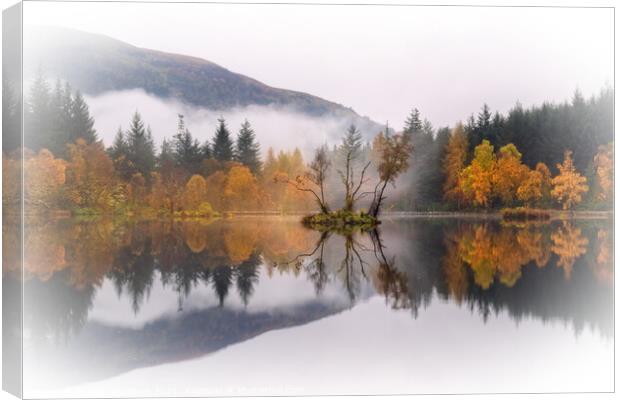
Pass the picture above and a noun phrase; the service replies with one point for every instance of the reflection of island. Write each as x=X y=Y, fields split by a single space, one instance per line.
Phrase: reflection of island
x=557 y=271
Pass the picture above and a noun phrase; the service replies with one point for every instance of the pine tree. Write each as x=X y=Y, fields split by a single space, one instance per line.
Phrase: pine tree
x=82 y=124
x=11 y=108
x=37 y=134
x=119 y=153
x=187 y=152
x=350 y=152
x=141 y=149
x=166 y=155
x=247 y=149
x=222 y=144
x=60 y=122
x=413 y=123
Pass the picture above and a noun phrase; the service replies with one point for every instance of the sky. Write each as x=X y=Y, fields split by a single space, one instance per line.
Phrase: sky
x=382 y=61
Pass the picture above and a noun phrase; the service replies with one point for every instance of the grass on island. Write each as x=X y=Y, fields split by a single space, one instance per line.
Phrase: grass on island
x=341 y=221
x=525 y=214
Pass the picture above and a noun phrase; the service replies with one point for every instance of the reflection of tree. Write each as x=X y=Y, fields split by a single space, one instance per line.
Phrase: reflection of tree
x=247 y=277
x=133 y=272
x=603 y=265
x=569 y=244
x=494 y=253
x=222 y=279
x=454 y=269
x=487 y=266
x=390 y=282
x=316 y=269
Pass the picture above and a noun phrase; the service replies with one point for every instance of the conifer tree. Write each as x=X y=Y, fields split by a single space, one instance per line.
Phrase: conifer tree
x=247 y=149
x=141 y=149
x=413 y=123
x=82 y=123
x=350 y=152
x=119 y=153
x=222 y=144
x=187 y=152
x=36 y=120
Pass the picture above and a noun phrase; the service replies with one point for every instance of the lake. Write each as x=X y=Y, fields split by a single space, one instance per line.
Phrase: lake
x=260 y=305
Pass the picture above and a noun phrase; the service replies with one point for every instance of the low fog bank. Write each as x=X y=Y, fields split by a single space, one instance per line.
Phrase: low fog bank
x=282 y=128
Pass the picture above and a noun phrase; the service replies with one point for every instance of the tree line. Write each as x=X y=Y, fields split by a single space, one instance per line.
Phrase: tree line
x=568 y=162
x=494 y=160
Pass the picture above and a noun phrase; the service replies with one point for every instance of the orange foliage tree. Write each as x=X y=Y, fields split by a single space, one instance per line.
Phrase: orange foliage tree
x=241 y=191
x=477 y=179
x=604 y=168
x=89 y=176
x=508 y=174
x=569 y=185
x=454 y=163
x=44 y=177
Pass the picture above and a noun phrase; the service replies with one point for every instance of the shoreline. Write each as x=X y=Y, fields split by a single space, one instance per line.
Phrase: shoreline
x=485 y=215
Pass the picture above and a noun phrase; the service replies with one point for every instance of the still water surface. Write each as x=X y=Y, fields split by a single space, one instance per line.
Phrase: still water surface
x=261 y=306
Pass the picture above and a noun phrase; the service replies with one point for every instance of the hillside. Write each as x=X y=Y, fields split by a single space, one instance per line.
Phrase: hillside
x=96 y=64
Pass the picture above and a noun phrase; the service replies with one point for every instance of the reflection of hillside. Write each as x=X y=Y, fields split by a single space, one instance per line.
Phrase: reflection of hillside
x=67 y=262
x=102 y=351
x=486 y=265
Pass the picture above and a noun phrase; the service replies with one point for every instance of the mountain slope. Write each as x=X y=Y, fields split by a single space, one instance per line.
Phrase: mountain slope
x=96 y=64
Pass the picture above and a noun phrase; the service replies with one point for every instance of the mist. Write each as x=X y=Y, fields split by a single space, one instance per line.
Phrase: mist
x=281 y=128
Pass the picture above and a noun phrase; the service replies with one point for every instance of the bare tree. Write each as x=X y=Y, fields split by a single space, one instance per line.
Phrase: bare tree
x=393 y=159
x=319 y=168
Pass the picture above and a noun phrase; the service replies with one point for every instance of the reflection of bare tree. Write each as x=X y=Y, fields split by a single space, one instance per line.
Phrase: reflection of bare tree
x=390 y=282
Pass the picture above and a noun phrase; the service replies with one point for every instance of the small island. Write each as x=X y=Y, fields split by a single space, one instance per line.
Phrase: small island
x=391 y=153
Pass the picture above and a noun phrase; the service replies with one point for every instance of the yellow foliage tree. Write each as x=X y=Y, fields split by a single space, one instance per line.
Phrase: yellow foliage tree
x=89 y=175
x=215 y=190
x=530 y=189
x=241 y=192
x=569 y=184
x=454 y=163
x=509 y=174
x=44 y=176
x=604 y=167
x=476 y=180
x=195 y=193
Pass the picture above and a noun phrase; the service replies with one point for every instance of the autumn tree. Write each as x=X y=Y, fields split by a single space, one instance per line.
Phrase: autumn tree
x=604 y=169
x=216 y=183
x=89 y=175
x=392 y=153
x=44 y=176
x=241 y=191
x=569 y=185
x=247 y=148
x=546 y=183
x=454 y=163
x=477 y=179
x=535 y=188
x=195 y=193
x=508 y=174
x=317 y=173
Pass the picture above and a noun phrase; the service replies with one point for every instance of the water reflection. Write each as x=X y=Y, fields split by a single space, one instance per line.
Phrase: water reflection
x=559 y=271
